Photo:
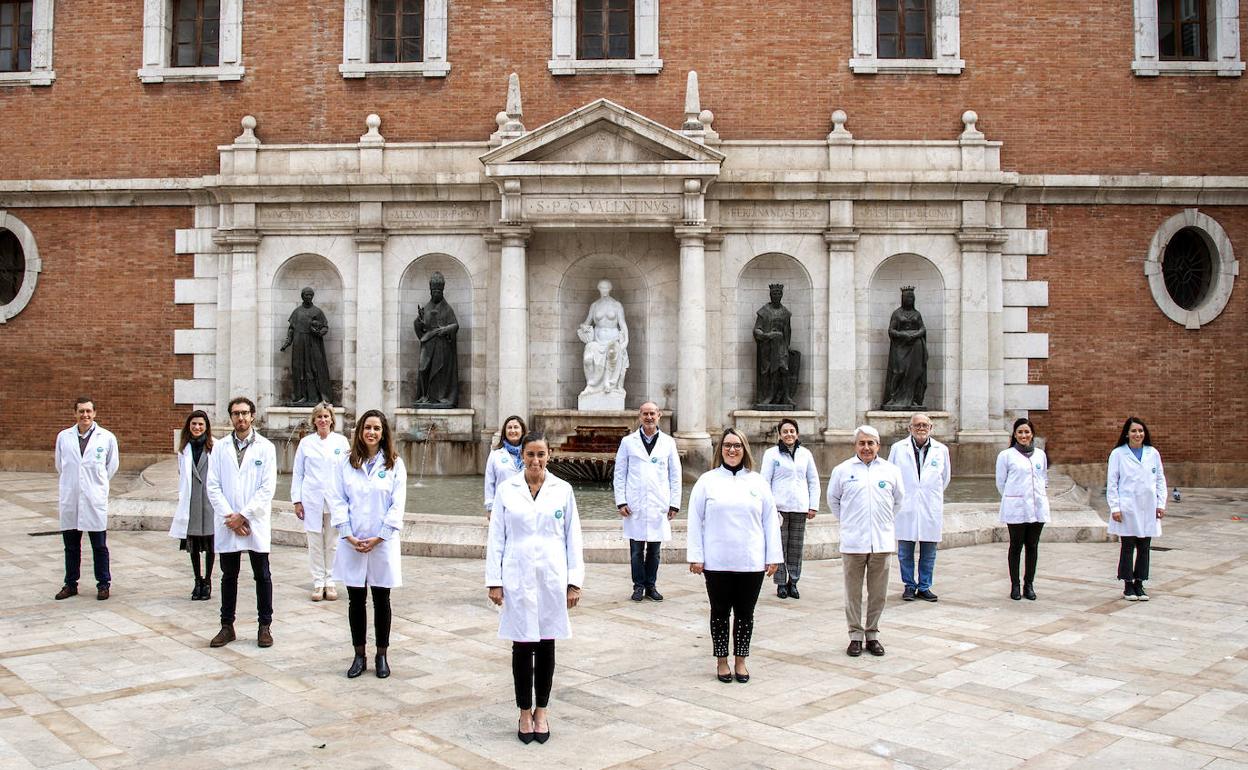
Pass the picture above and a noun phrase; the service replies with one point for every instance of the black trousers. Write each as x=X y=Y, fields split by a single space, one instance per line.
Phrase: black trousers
x=1134 y=549
x=230 y=565
x=644 y=557
x=196 y=545
x=73 y=557
x=533 y=668
x=357 y=614
x=1024 y=537
x=733 y=593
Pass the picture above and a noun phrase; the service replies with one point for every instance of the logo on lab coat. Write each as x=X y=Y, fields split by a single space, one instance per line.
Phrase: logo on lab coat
x=753 y=493
x=654 y=459
x=100 y=450
x=381 y=474
x=883 y=484
x=1038 y=467
x=259 y=463
x=558 y=513
x=933 y=463
x=337 y=450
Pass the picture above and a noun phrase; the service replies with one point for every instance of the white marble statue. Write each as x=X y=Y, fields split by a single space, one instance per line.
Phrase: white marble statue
x=605 y=334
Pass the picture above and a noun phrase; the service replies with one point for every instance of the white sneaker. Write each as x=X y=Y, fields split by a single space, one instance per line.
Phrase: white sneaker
x=318 y=594
x=331 y=593
x=1129 y=596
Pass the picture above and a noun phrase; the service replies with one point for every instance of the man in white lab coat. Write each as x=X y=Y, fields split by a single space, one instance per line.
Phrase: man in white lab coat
x=242 y=477
x=924 y=464
x=647 y=494
x=86 y=459
x=865 y=493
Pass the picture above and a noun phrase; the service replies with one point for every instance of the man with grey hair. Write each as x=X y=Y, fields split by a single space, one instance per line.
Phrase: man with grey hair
x=924 y=465
x=864 y=493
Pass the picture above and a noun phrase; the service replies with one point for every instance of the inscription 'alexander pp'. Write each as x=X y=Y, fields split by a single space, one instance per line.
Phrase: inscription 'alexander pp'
x=602 y=206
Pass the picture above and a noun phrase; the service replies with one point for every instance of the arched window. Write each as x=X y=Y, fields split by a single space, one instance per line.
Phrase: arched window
x=1187 y=268
x=1191 y=268
x=12 y=266
x=19 y=265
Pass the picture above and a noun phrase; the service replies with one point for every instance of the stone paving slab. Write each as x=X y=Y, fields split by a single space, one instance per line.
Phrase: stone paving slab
x=1079 y=678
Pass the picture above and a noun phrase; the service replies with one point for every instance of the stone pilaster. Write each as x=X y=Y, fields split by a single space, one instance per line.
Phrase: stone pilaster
x=513 y=323
x=982 y=365
x=369 y=352
x=243 y=310
x=691 y=413
x=842 y=403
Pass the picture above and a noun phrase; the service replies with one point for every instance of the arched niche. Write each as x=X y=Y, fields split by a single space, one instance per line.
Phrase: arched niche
x=577 y=291
x=289 y=281
x=754 y=291
x=19 y=265
x=929 y=299
x=413 y=293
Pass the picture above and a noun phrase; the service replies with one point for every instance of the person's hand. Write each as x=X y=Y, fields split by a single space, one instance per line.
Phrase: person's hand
x=671 y=513
x=574 y=596
x=353 y=542
x=496 y=595
x=1161 y=513
x=299 y=510
x=1116 y=516
x=695 y=567
x=771 y=569
x=283 y=347
x=237 y=523
x=364 y=546
x=625 y=511
x=811 y=513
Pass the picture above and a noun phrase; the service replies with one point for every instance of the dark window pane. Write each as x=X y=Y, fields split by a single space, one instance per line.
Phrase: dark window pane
x=916 y=5
x=6 y=61
x=916 y=21
x=1166 y=43
x=590 y=6
x=6 y=13
x=6 y=38
x=619 y=24
x=888 y=24
x=591 y=24
x=591 y=47
x=12 y=266
x=184 y=32
x=619 y=48
x=187 y=9
x=184 y=56
x=23 y=37
x=1187 y=267
x=1190 y=10
x=25 y=14
x=916 y=47
x=411 y=25
x=209 y=57
x=887 y=48
x=212 y=9
x=1191 y=41
x=385 y=26
x=410 y=49
x=387 y=49
x=1165 y=10
x=385 y=6
x=885 y=5
x=212 y=31
x=23 y=60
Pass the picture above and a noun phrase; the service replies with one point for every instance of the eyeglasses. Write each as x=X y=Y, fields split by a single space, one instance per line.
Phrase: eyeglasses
x=734 y=447
x=240 y=414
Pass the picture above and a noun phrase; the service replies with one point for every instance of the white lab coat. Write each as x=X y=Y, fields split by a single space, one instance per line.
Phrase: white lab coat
x=866 y=499
x=245 y=488
x=186 y=475
x=85 y=477
x=368 y=505
x=921 y=516
x=733 y=524
x=649 y=484
x=498 y=468
x=534 y=553
x=1023 y=483
x=794 y=480
x=316 y=461
x=1137 y=488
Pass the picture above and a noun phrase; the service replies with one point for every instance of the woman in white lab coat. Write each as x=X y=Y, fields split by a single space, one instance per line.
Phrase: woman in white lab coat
x=1135 y=488
x=504 y=462
x=369 y=494
x=193 y=520
x=734 y=539
x=316 y=463
x=534 y=570
x=789 y=468
x=1022 y=481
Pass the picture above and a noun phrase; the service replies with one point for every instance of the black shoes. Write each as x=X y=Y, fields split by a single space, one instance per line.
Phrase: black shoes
x=1139 y=591
x=1128 y=591
x=1028 y=592
x=525 y=738
x=1015 y=594
x=541 y=737
x=874 y=647
x=653 y=595
x=359 y=664
x=382 y=665
x=742 y=678
x=854 y=649
x=782 y=591
x=926 y=596
x=908 y=594
x=793 y=594
x=725 y=678
x=638 y=594
x=197 y=593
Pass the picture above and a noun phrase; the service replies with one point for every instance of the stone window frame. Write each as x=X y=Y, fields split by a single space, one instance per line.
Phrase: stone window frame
x=946 y=41
x=40 y=72
x=563 y=42
x=158 y=45
x=30 y=253
x=355 y=44
x=1223 y=43
x=1225 y=268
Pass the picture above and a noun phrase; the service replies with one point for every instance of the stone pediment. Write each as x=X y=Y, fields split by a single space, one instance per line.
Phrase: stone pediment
x=600 y=134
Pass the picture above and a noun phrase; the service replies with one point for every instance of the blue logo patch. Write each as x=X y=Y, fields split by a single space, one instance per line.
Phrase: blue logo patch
x=99 y=450
x=654 y=459
x=1038 y=466
x=933 y=463
x=559 y=513
x=883 y=484
x=337 y=450
x=259 y=463
x=381 y=474
x=1154 y=470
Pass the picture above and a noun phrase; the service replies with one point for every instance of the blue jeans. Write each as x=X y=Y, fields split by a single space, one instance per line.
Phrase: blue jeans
x=927 y=562
x=645 y=559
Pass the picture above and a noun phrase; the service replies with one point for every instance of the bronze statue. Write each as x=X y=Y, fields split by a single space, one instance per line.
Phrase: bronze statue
x=437 y=381
x=309 y=370
x=772 y=333
x=906 y=383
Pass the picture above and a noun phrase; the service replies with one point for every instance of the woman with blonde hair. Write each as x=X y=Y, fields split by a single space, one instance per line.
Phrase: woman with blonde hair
x=316 y=461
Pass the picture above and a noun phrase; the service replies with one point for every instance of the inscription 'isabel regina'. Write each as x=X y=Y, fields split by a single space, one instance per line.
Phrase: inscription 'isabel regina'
x=603 y=206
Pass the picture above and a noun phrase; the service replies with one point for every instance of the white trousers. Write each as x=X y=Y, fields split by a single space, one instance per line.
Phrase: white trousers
x=321 y=546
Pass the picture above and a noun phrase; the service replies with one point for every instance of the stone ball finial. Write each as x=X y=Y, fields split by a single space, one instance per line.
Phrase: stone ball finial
x=969 y=119
x=706 y=117
x=373 y=122
x=838 y=119
x=501 y=119
x=248 y=122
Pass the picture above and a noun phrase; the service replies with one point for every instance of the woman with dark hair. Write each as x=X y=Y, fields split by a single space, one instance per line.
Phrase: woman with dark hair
x=504 y=461
x=1135 y=488
x=789 y=469
x=734 y=539
x=193 y=521
x=1022 y=480
x=534 y=570
x=367 y=506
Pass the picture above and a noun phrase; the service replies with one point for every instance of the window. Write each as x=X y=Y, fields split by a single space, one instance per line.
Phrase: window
x=902 y=29
x=192 y=40
x=12 y=266
x=1187 y=37
x=1191 y=268
x=394 y=38
x=19 y=265
x=605 y=36
x=26 y=43
x=902 y=36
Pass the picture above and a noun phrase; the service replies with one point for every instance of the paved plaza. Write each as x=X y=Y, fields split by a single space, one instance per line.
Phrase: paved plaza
x=1079 y=678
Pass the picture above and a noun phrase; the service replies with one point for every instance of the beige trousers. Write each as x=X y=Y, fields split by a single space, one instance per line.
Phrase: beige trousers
x=871 y=568
x=321 y=547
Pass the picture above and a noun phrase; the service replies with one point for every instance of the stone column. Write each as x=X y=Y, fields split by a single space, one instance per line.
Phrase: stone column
x=842 y=401
x=370 y=298
x=691 y=420
x=982 y=363
x=244 y=314
x=513 y=315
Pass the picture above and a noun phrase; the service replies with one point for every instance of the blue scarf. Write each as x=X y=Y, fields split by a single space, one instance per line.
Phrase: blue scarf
x=514 y=451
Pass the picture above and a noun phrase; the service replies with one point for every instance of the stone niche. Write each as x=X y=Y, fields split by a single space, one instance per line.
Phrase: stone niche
x=413 y=293
x=931 y=301
x=319 y=273
x=753 y=291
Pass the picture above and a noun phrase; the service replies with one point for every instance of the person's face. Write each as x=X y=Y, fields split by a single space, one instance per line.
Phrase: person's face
x=198 y=427
x=907 y=299
x=85 y=413
x=776 y=295
x=535 y=456
x=604 y=288
x=788 y=434
x=920 y=429
x=370 y=434
x=512 y=431
x=1023 y=435
x=241 y=417
x=867 y=448
x=1135 y=435
x=435 y=292
x=323 y=421
x=732 y=450
x=307 y=295
x=649 y=417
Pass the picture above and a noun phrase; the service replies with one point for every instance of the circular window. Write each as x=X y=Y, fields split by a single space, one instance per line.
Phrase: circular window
x=12 y=266
x=1187 y=268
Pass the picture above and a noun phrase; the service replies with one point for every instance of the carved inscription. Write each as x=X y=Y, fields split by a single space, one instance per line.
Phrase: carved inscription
x=545 y=206
x=279 y=215
x=906 y=214
x=756 y=212
x=433 y=214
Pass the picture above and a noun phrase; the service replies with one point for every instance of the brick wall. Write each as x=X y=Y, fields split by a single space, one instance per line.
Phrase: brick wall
x=1052 y=80
x=1112 y=353
x=101 y=324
